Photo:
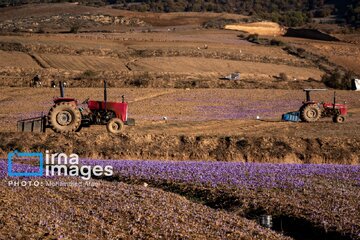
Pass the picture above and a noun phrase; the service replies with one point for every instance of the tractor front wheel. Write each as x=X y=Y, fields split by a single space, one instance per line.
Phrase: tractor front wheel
x=64 y=117
x=115 y=125
x=339 y=119
x=310 y=113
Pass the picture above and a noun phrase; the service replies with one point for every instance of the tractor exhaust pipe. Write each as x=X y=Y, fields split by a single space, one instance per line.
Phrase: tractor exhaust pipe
x=61 y=89
x=334 y=99
x=105 y=94
x=308 y=96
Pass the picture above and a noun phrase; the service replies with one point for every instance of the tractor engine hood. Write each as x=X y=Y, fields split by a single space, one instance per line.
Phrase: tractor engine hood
x=120 y=109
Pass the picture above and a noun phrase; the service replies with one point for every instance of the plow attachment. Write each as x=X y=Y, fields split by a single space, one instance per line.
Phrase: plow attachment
x=130 y=122
x=37 y=124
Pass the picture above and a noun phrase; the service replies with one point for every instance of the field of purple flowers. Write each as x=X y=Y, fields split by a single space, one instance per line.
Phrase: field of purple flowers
x=231 y=174
x=325 y=196
x=112 y=210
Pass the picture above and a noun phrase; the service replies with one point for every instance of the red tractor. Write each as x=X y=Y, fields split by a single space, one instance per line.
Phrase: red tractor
x=312 y=111
x=66 y=115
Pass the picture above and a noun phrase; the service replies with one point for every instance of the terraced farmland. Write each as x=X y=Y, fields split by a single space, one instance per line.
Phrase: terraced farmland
x=83 y=63
x=204 y=65
x=17 y=60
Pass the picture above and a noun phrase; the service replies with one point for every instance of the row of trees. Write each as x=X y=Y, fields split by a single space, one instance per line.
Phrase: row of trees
x=287 y=12
x=235 y=6
x=352 y=13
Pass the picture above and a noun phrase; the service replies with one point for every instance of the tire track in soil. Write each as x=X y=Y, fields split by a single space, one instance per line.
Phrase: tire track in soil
x=41 y=62
x=211 y=127
x=152 y=96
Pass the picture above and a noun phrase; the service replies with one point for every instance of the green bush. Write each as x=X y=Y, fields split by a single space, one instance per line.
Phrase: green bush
x=218 y=23
x=254 y=38
x=241 y=35
x=142 y=80
x=75 y=28
x=41 y=30
x=283 y=77
x=275 y=42
x=88 y=74
x=338 y=80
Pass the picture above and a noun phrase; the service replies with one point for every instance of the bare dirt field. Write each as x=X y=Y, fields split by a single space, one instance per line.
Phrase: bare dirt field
x=18 y=59
x=77 y=63
x=345 y=54
x=194 y=65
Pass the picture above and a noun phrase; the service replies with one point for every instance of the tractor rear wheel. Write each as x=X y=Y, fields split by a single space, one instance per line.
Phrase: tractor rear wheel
x=115 y=125
x=310 y=113
x=339 y=119
x=64 y=117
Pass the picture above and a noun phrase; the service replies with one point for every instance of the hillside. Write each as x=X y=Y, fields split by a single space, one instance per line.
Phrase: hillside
x=289 y=13
x=209 y=156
